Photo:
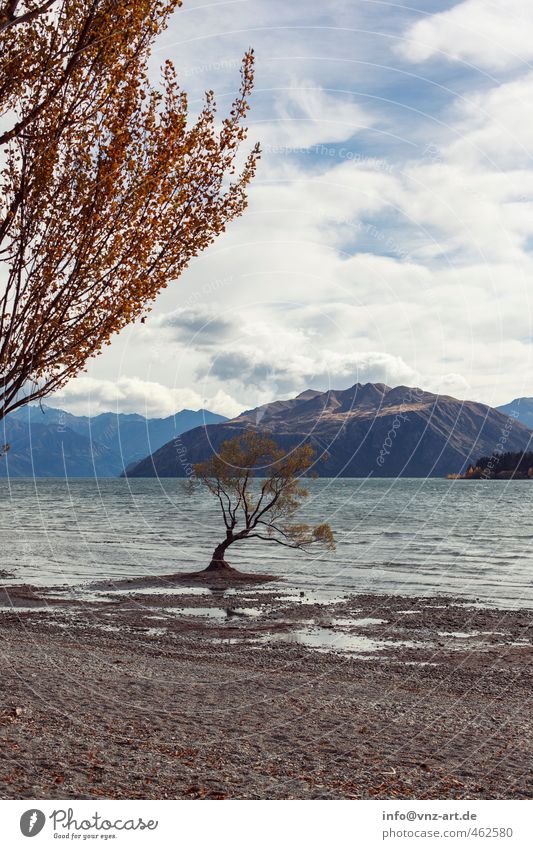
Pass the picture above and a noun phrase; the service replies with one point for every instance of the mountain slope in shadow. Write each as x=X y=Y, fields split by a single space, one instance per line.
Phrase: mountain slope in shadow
x=368 y=429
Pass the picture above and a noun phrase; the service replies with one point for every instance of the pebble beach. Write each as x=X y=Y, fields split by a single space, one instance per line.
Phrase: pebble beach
x=155 y=690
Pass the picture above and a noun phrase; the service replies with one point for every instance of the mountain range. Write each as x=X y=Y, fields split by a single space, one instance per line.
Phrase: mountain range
x=520 y=409
x=369 y=429
x=48 y=442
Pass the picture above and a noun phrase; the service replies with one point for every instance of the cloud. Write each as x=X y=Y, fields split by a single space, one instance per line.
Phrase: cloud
x=364 y=367
x=401 y=256
x=90 y=396
x=199 y=325
x=493 y=36
x=291 y=371
x=304 y=115
x=246 y=368
x=491 y=129
x=450 y=384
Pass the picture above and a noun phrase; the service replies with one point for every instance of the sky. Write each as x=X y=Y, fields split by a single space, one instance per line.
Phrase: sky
x=389 y=233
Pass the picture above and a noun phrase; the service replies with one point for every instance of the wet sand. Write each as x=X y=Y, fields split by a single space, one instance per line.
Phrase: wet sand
x=157 y=690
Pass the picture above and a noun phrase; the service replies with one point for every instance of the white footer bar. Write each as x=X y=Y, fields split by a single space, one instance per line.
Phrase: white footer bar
x=267 y=824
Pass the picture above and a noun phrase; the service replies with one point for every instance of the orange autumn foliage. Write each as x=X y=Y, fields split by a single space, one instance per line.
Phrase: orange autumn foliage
x=259 y=489
x=108 y=189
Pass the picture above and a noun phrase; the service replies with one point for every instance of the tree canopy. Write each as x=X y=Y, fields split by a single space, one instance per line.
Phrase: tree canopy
x=108 y=189
x=508 y=464
x=259 y=488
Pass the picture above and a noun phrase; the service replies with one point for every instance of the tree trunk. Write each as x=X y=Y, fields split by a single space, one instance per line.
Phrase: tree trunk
x=218 y=562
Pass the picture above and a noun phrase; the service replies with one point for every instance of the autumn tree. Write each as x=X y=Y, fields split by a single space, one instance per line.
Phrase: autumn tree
x=108 y=188
x=259 y=488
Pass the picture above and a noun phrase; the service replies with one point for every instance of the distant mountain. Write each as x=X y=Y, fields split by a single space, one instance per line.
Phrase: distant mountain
x=47 y=442
x=521 y=409
x=368 y=429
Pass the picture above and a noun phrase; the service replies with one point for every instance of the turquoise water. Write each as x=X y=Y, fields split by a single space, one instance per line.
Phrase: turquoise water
x=410 y=536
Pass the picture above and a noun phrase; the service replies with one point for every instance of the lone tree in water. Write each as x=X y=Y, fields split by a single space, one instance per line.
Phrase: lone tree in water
x=107 y=188
x=259 y=489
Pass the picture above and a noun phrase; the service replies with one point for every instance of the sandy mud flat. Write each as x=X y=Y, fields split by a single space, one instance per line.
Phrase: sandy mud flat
x=153 y=689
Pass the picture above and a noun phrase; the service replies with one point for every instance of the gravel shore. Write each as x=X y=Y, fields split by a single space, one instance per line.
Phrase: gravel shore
x=154 y=690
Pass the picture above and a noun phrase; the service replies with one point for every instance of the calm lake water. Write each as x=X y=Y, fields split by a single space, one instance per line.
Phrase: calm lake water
x=468 y=538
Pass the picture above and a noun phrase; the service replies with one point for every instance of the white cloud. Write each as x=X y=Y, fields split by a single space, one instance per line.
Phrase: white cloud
x=304 y=115
x=383 y=266
x=491 y=35
x=452 y=384
x=289 y=370
x=90 y=396
x=493 y=128
x=200 y=325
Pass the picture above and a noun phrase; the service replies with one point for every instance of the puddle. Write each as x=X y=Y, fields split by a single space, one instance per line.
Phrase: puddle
x=310 y=598
x=121 y=591
x=288 y=595
x=203 y=612
x=462 y=635
x=244 y=611
x=219 y=614
x=365 y=622
x=235 y=641
x=80 y=597
x=324 y=639
x=179 y=591
x=241 y=597
x=36 y=608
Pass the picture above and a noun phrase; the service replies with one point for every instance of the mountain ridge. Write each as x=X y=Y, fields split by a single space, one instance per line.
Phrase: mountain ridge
x=521 y=409
x=50 y=442
x=368 y=429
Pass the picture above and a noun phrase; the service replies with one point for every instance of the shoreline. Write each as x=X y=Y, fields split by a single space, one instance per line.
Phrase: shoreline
x=262 y=693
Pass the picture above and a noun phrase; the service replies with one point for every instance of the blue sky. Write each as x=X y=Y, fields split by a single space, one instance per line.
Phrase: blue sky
x=390 y=226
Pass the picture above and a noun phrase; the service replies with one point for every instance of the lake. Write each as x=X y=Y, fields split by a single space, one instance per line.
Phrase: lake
x=402 y=536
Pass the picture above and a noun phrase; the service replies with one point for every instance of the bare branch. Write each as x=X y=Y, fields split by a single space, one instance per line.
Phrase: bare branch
x=275 y=539
x=280 y=496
